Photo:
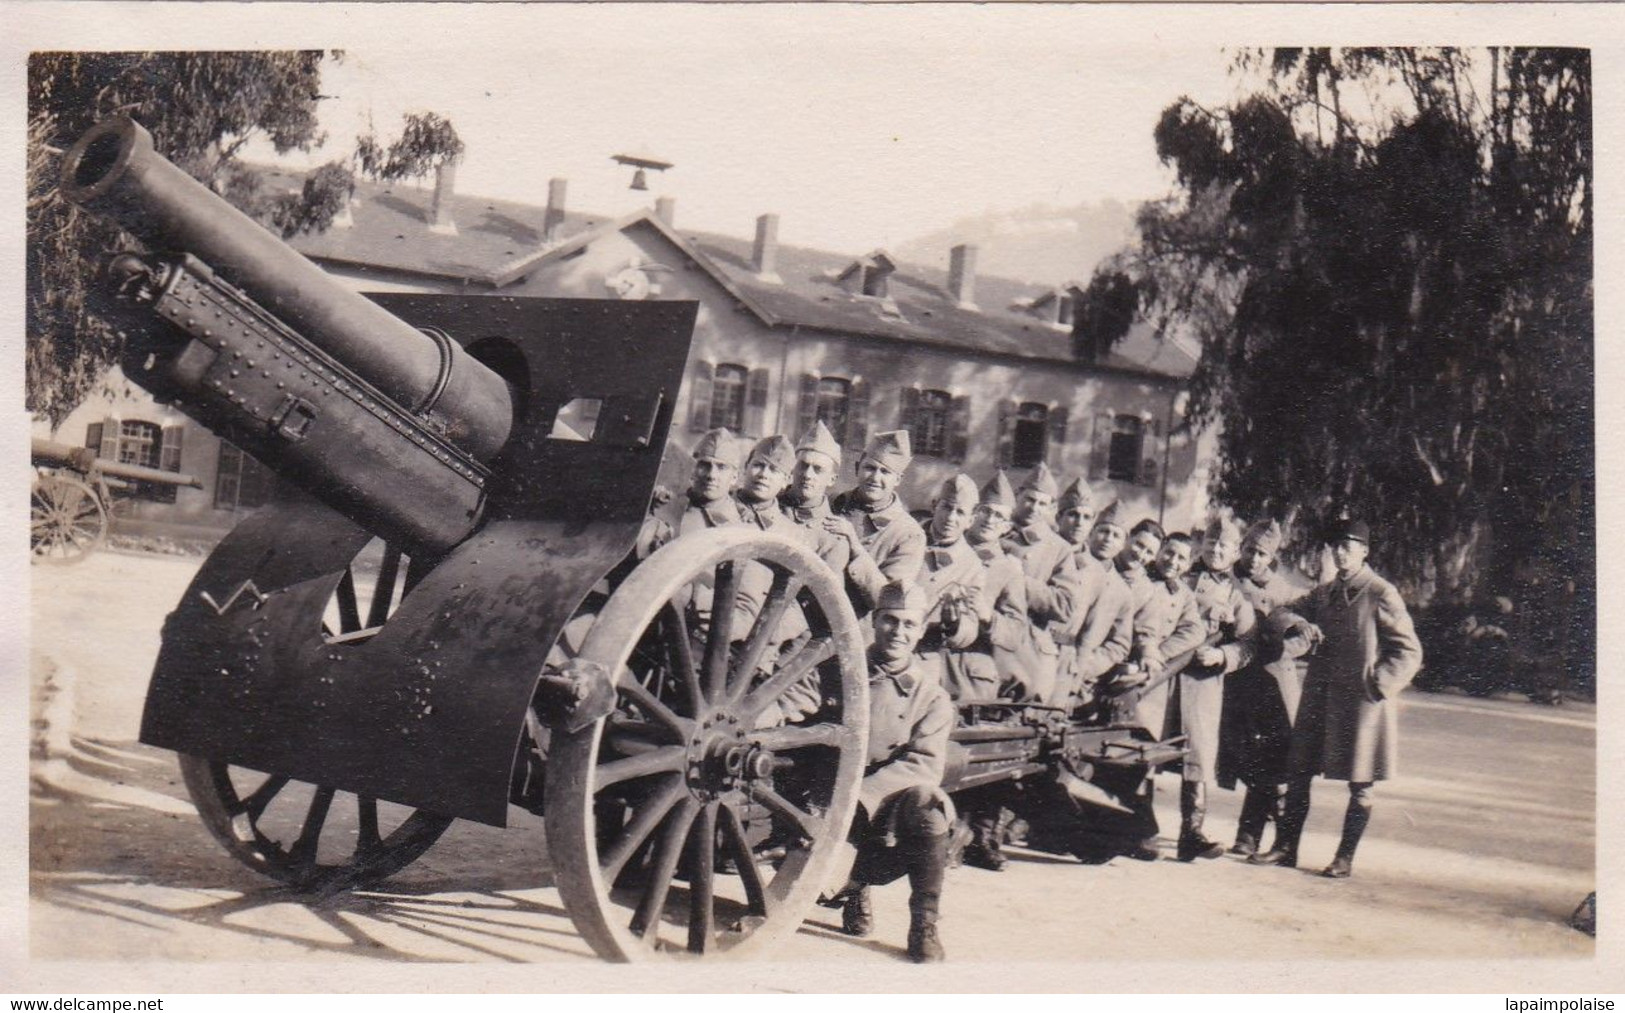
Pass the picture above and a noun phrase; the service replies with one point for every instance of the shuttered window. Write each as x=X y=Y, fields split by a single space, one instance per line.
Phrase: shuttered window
x=728 y=397
x=1029 y=435
x=932 y=423
x=1128 y=441
x=834 y=401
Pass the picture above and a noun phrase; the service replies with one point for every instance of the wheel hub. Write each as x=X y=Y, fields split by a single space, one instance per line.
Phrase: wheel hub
x=721 y=759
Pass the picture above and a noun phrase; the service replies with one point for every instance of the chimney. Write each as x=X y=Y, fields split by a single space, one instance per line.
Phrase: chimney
x=553 y=221
x=445 y=184
x=764 y=257
x=962 y=275
x=666 y=210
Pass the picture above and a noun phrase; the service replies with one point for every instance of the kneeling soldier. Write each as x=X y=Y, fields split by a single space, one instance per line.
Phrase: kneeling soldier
x=901 y=826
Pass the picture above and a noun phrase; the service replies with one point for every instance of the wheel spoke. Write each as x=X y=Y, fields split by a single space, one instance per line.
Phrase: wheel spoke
x=653 y=902
x=815 y=653
x=827 y=733
x=810 y=826
x=303 y=851
x=733 y=835
x=349 y=613
x=723 y=600
x=702 y=880
x=785 y=588
x=384 y=590
x=681 y=655
x=655 y=761
x=650 y=704
x=367 y=839
x=254 y=805
x=649 y=815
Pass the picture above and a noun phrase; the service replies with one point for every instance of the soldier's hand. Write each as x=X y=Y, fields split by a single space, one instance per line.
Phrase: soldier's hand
x=1210 y=657
x=842 y=527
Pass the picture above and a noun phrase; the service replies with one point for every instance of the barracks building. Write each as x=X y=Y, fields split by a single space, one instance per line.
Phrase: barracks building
x=981 y=370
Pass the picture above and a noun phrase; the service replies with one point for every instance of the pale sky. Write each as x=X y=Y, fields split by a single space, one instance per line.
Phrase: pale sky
x=860 y=128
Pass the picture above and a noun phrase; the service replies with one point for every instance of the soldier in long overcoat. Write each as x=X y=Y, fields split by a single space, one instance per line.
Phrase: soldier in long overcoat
x=951 y=578
x=1101 y=632
x=886 y=543
x=995 y=665
x=1261 y=698
x=1348 y=721
x=901 y=825
x=1046 y=562
x=1227 y=616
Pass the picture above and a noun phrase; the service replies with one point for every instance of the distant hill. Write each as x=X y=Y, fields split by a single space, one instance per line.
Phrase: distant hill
x=1038 y=244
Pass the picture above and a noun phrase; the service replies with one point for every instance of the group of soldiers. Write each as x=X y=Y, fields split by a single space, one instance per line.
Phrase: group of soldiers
x=1052 y=597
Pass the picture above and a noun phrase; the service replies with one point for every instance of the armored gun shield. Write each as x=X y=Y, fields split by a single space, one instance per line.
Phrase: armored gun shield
x=270 y=661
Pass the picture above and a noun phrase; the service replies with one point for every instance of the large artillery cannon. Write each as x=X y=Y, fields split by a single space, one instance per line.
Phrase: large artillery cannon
x=72 y=498
x=380 y=652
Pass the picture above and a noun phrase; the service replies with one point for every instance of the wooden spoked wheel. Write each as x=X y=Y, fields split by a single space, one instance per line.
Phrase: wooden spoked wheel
x=67 y=520
x=310 y=836
x=702 y=816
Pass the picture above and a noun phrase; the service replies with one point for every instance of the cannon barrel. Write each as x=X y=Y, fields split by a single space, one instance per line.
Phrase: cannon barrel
x=114 y=169
x=83 y=459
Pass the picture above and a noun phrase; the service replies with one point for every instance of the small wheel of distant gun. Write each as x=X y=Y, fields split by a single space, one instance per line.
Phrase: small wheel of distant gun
x=67 y=521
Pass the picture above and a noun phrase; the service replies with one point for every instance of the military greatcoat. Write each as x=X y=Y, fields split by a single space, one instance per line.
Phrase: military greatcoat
x=1101 y=632
x=1261 y=699
x=1348 y=720
x=1051 y=581
x=1223 y=608
x=950 y=571
x=1166 y=625
x=894 y=543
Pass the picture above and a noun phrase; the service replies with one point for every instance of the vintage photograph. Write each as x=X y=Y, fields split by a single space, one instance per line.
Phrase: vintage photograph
x=911 y=485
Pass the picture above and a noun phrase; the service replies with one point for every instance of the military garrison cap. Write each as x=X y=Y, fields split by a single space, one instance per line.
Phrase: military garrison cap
x=960 y=489
x=891 y=449
x=901 y=596
x=1078 y=494
x=998 y=492
x=775 y=450
x=719 y=444
x=1265 y=534
x=819 y=440
x=1042 y=480
x=1113 y=515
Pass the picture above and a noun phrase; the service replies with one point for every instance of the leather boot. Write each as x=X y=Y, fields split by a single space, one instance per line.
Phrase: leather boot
x=1288 y=828
x=1255 y=811
x=1192 y=813
x=858 y=916
x=983 y=850
x=1354 y=824
x=925 y=883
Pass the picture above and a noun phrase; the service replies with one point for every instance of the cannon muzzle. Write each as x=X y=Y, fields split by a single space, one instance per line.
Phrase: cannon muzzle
x=113 y=169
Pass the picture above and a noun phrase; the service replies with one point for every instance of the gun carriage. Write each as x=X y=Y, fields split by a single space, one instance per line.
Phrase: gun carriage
x=384 y=649
x=72 y=500
x=440 y=617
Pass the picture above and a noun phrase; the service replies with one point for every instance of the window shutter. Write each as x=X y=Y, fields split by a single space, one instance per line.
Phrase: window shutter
x=699 y=397
x=1007 y=434
x=93 y=437
x=1056 y=451
x=756 y=402
x=857 y=415
x=807 y=413
x=169 y=451
x=1151 y=452
x=959 y=429
x=1100 y=454
x=110 y=434
x=908 y=414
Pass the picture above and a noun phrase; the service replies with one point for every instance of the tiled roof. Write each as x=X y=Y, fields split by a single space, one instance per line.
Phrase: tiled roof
x=390 y=230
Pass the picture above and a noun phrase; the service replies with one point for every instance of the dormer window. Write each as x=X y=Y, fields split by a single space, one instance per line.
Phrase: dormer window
x=1056 y=307
x=868 y=276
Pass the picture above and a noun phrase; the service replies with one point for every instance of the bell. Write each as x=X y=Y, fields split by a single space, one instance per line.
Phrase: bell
x=640 y=180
